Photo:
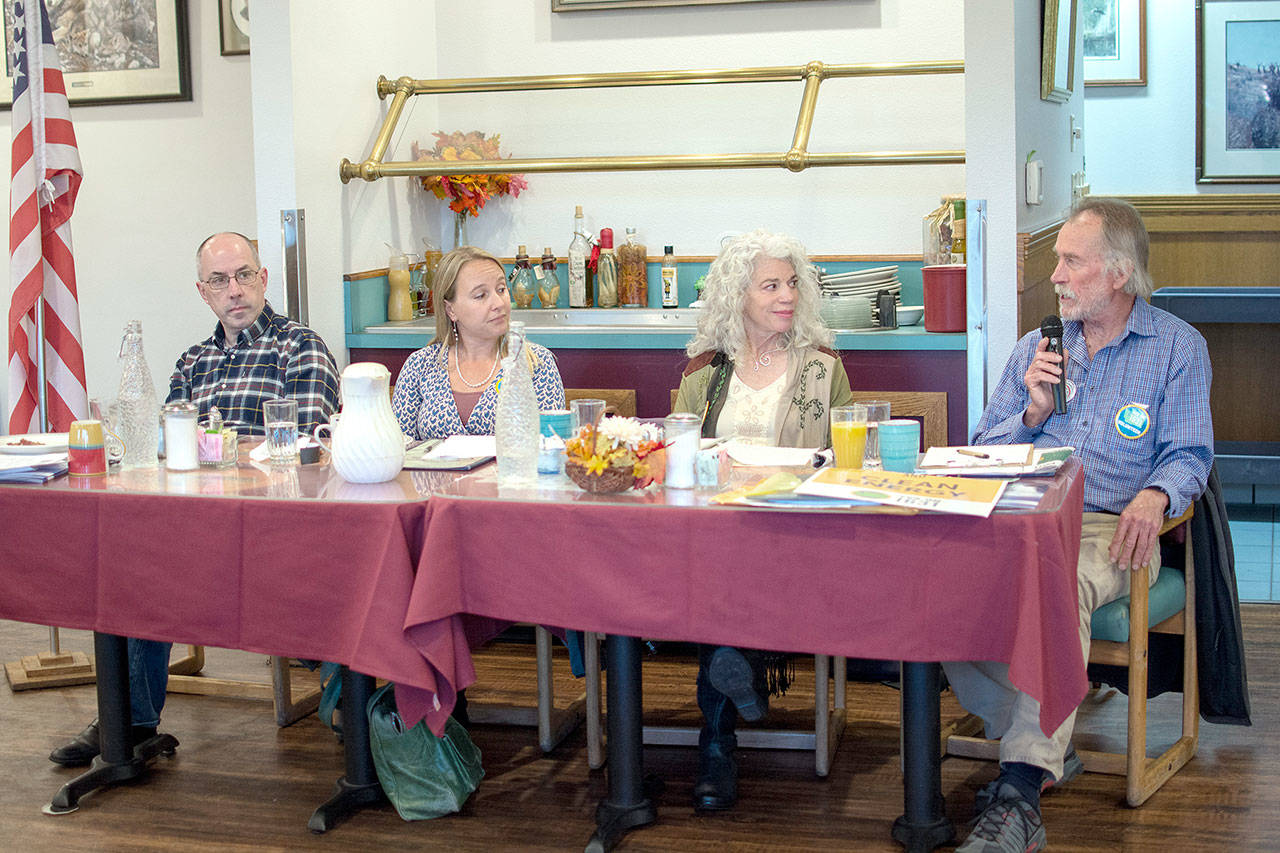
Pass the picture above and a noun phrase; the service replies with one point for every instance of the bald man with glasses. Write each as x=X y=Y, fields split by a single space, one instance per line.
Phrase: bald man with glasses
x=253 y=355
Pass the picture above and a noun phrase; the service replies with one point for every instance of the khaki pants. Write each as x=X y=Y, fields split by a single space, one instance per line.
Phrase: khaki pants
x=983 y=687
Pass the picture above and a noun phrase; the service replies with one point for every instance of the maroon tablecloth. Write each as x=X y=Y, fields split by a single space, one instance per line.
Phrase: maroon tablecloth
x=919 y=588
x=301 y=578
x=403 y=588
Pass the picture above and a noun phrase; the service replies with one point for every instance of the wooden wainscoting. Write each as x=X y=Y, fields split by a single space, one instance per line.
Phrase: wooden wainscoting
x=1213 y=239
x=1036 y=261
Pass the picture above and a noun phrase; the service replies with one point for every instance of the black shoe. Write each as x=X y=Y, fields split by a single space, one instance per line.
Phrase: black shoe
x=730 y=673
x=86 y=746
x=717 y=785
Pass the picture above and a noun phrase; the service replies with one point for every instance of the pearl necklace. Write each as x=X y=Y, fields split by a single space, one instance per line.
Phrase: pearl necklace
x=763 y=360
x=457 y=363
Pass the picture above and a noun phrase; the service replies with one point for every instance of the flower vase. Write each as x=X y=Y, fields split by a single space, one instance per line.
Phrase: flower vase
x=460 y=237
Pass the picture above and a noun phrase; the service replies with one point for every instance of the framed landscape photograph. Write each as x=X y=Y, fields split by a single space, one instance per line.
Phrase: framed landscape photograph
x=1058 y=51
x=114 y=52
x=233 y=27
x=1238 y=91
x=1115 y=42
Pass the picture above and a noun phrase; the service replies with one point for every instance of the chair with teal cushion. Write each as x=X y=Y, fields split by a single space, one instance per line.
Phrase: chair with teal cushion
x=1166 y=607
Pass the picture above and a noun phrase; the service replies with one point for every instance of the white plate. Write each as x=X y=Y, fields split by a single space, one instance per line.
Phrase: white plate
x=869 y=287
x=45 y=442
x=873 y=274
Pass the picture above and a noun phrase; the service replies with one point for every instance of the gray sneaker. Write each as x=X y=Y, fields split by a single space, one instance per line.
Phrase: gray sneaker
x=1072 y=767
x=1009 y=825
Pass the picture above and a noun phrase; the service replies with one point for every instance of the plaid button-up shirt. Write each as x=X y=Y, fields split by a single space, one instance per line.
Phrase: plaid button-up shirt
x=1156 y=375
x=275 y=357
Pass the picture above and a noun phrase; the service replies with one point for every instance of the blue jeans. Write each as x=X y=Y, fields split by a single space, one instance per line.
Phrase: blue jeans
x=148 y=678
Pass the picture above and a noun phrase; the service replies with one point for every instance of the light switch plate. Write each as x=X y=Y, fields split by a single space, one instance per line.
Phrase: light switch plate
x=1035 y=181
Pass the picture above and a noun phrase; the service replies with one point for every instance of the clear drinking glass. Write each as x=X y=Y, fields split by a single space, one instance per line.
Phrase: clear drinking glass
x=586 y=411
x=281 y=418
x=871 y=412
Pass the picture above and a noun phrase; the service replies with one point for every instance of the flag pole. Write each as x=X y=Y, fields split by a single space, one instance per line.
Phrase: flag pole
x=42 y=406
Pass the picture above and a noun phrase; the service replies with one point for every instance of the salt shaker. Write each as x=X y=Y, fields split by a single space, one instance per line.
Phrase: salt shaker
x=180 y=419
x=683 y=437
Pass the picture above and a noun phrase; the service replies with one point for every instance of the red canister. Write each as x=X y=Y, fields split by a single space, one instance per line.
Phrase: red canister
x=86 y=455
x=944 y=297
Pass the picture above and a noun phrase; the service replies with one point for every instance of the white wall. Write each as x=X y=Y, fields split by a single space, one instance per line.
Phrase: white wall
x=1141 y=140
x=172 y=173
x=159 y=177
x=1004 y=121
x=833 y=210
x=335 y=114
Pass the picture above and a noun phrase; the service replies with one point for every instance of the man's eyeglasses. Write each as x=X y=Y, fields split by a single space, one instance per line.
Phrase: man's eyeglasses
x=219 y=282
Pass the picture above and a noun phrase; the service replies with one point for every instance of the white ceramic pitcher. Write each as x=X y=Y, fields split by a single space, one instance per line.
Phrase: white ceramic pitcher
x=366 y=444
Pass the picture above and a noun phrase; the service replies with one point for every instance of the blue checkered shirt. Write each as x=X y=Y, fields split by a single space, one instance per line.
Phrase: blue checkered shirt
x=1159 y=363
x=275 y=357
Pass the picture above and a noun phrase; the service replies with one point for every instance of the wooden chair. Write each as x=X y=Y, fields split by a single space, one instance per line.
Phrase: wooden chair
x=291 y=704
x=928 y=407
x=1168 y=607
x=617 y=401
x=823 y=739
x=829 y=707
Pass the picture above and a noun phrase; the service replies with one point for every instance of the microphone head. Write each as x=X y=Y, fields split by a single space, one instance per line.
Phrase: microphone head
x=1051 y=327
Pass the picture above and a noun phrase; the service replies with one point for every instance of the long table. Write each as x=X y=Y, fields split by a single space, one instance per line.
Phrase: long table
x=669 y=565
x=401 y=587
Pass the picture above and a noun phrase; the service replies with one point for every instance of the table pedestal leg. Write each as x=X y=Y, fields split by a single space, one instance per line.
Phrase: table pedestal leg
x=924 y=824
x=359 y=788
x=626 y=807
x=119 y=761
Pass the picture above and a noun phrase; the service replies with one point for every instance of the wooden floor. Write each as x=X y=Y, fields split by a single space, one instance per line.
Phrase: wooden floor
x=239 y=783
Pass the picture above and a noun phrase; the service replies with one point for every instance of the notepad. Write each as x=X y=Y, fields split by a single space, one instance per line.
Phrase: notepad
x=994 y=460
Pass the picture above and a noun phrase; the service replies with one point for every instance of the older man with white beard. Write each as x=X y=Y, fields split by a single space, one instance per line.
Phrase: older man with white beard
x=1137 y=390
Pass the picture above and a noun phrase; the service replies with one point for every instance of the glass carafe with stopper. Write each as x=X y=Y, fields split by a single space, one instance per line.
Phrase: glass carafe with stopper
x=516 y=417
x=139 y=421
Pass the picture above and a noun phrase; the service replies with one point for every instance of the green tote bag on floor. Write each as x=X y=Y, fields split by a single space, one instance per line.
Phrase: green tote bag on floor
x=423 y=776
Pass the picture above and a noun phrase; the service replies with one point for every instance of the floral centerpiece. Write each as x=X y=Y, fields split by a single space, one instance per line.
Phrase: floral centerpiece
x=616 y=454
x=467 y=194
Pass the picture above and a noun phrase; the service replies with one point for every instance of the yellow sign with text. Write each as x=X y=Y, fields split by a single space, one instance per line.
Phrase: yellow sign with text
x=960 y=495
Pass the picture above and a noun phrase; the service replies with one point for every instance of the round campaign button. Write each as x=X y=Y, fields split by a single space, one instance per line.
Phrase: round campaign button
x=1132 y=421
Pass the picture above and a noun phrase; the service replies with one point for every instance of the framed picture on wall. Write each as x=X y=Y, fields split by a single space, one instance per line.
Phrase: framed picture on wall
x=115 y=53
x=1115 y=42
x=233 y=26
x=1238 y=91
x=1058 y=51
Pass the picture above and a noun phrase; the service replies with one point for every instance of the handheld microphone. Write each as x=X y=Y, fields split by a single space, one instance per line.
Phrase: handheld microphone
x=1051 y=328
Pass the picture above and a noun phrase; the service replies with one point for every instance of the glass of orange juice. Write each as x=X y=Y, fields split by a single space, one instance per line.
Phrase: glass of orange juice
x=848 y=436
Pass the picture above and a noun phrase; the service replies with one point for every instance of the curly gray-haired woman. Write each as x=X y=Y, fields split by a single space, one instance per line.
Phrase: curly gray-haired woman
x=761 y=365
x=761 y=368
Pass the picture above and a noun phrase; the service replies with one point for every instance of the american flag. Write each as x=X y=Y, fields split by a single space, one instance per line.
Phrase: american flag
x=42 y=194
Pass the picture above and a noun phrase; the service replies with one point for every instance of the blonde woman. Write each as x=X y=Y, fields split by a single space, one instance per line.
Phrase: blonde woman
x=449 y=387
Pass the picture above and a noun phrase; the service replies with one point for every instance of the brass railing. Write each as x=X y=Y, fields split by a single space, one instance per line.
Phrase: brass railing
x=796 y=159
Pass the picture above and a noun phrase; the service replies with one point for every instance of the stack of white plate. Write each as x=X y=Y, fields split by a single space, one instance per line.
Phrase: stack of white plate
x=865 y=283
x=847 y=312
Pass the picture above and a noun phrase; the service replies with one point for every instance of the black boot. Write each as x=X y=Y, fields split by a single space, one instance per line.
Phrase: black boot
x=717 y=785
x=732 y=673
x=87 y=745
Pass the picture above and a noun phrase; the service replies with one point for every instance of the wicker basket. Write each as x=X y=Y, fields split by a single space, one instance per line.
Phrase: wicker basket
x=609 y=480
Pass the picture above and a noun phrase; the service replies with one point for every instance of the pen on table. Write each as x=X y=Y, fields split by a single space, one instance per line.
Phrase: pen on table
x=975 y=454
